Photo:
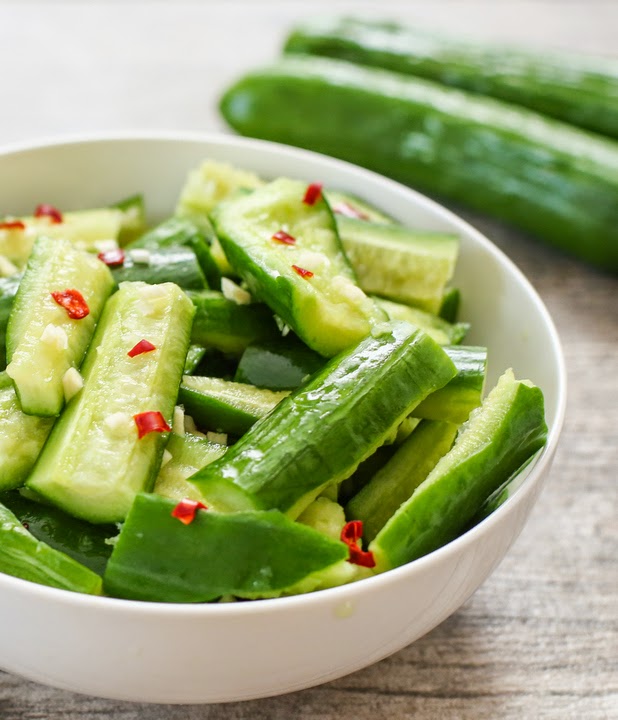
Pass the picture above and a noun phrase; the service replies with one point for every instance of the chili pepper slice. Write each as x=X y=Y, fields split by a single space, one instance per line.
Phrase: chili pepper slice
x=313 y=193
x=148 y=422
x=73 y=302
x=112 y=258
x=282 y=237
x=49 y=211
x=351 y=533
x=12 y=225
x=143 y=346
x=186 y=510
x=302 y=272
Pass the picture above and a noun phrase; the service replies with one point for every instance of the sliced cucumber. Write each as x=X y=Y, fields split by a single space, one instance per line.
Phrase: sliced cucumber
x=94 y=463
x=195 y=355
x=403 y=473
x=306 y=280
x=21 y=437
x=23 y=556
x=133 y=220
x=401 y=264
x=497 y=440
x=8 y=291
x=282 y=364
x=167 y=264
x=249 y=555
x=449 y=309
x=440 y=330
x=224 y=406
x=319 y=435
x=42 y=341
x=187 y=454
x=346 y=205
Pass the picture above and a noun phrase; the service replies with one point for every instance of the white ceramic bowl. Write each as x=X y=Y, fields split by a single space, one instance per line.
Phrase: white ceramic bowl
x=212 y=653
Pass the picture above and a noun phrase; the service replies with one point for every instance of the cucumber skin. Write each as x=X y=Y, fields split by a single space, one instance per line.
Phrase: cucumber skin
x=444 y=504
x=281 y=365
x=553 y=180
x=319 y=434
x=25 y=557
x=167 y=264
x=580 y=90
x=255 y=554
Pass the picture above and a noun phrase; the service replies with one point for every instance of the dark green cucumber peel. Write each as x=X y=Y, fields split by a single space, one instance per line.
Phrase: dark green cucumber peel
x=549 y=178
x=581 y=90
x=195 y=355
x=25 y=557
x=325 y=308
x=449 y=309
x=8 y=290
x=175 y=264
x=246 y=554
x=320 y=434
x=283 y=364
x=223 y=406
x=393 y=484
x=86 y=543
x=226 y=326
x=494 y=444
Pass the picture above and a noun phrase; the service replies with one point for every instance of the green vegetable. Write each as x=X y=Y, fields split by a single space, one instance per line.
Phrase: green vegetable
x=165 y=264
x=497 y=440
x=581 y=90
x=247 y=554
x=317 y=436
x=442 y=331
x=551 y=179
x=278 y=365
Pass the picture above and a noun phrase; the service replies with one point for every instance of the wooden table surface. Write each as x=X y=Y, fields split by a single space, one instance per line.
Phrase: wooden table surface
x=539 y=639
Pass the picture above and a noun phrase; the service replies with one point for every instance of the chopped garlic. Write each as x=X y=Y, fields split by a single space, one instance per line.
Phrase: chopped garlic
x=118 y=423
x=178 y=421
x=6 y=267
x=345 y=288
x=72 y=383
x=380 y=330
x=312 y=261
x=55 y=337
x=155 y=299
x=167 y=456
x=140 y=256
x=219 y=438
x=232 y=291
x=104 y=246
x=284 y=328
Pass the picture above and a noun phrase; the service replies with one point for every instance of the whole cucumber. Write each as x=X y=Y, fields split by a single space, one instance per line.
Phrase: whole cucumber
x=578 y=89
x=555 y=181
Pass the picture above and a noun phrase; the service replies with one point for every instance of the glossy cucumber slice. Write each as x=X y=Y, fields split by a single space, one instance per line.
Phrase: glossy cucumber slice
x=21 y=437
x=222 y=324
x=449 y=310
x=86 y=543
x=456 y=400
x=401 y=264
x=346 y=205
x=306 y=280
x=43 y=342
x=319 y=435
x=282 y=364
x=187 y=454
x=247 y=554
x=23 y=556
x=223 y=406
x=8 y=291
x=443 y=332
x=133 y=219
x=195 y=355
x=175 y=264
x=497 y=440
x=94 y=463
x=401 y=475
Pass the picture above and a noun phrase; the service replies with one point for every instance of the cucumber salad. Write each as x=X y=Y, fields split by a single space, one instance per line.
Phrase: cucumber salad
x=266 y=394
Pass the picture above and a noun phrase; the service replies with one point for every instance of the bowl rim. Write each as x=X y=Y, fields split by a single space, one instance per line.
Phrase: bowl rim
x=535 y=471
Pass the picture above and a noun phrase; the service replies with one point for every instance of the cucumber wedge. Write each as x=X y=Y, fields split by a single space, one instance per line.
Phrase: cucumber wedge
x=21 y=437
x=497 y=440
x=443 y=332
x=397 y=263
x=8 y=291
x=25 y=557
x=42 y=341
x=319 y=434
x=345 y=205
x=186 y=455
x=94 y=463
x=403 y=473
x=306 y=279
x=224 y=406
x=248 y=555
x=175 y=264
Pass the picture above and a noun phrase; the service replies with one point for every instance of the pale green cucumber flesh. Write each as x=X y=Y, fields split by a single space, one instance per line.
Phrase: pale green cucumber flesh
x=94 y=464
x=497 y=440
x=37 y=362
x=319 y=434
x=443 y=332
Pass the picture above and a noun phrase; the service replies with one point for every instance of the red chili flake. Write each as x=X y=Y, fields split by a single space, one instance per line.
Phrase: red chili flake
x=344 y=208
x=283 y=237
x=73 y=302
x=48 y=211
x=313 y=193
x=186 y=510
x=148 y=422
x=112 y=258
x=143 y=346
x=350 y=535
x=12 y=225
x=302 y=272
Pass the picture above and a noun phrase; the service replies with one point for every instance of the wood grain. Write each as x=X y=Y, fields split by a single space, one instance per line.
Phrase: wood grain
x=539 y=640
